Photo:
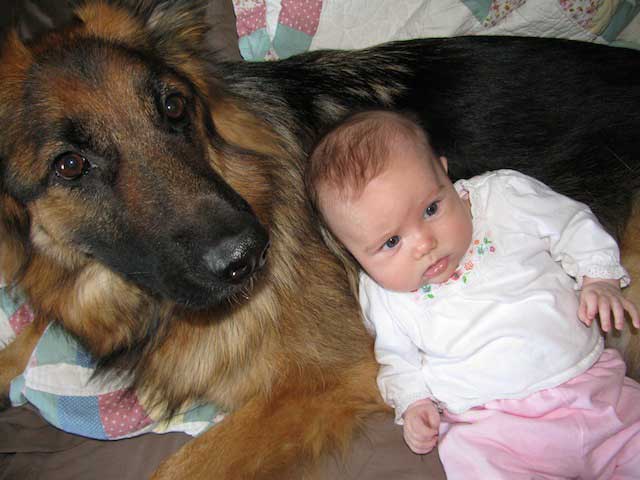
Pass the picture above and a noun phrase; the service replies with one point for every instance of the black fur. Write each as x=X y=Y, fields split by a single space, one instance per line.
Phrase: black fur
x=563 y=111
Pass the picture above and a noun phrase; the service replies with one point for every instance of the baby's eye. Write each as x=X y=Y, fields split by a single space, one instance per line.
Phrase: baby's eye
x=431 y=210
x=392 y=242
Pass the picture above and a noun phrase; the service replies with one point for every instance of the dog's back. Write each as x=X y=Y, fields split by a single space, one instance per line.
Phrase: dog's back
x=563 y=111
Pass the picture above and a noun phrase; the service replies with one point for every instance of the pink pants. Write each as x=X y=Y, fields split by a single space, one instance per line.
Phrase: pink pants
x=587 y=428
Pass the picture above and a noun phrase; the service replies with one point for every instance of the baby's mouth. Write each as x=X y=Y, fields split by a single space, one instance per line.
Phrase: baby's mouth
x=436 y=268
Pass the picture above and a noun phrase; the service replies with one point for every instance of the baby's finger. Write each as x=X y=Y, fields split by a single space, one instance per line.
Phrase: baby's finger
x=426 y=446
x=434 y=419
x=590 y=305
x=415 y=448
x=425 y=435
x=425 y=442
x=604 y=311
x=618 y=313
x=419 y=432
x=421 y=449
x=633 y=312
x=420 y=446
x=582 y=313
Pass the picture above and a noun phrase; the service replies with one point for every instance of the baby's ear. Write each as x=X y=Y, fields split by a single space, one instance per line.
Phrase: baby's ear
x=445 y=164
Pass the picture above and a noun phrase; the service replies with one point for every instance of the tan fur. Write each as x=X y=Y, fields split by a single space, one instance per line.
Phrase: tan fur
x=239 y=127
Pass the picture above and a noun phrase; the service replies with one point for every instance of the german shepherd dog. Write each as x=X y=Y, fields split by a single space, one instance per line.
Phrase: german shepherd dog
x=152 y=203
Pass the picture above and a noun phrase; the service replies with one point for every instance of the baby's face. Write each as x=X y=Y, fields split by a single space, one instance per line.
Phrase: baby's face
x=409 y=227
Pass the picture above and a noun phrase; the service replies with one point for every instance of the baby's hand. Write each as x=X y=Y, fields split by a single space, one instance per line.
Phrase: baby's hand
x=421 y=424
x=601 y=297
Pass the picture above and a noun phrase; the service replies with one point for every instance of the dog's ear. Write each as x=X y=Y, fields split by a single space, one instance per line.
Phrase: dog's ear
x=169 y=24
x=175 y=21
x=15 y=60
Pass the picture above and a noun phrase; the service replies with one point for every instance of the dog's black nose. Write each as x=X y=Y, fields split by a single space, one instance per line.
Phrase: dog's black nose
x=235 y=258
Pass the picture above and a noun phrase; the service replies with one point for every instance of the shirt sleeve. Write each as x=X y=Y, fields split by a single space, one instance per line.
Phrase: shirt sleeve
x=575 y=237
x=400 y=378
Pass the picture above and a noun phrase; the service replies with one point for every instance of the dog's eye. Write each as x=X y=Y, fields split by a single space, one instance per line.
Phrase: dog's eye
x=175 y=107
x=70 y=166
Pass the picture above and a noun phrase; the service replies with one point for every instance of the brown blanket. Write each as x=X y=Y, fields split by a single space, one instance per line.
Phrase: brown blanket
x=31 y=449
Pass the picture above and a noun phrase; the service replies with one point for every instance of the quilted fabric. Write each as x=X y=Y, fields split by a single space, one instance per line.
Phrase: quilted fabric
x=348 y=24
x=59 y=381
x=270 y=29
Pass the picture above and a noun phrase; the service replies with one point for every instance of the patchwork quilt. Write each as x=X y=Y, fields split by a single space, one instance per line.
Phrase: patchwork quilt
x=60 y=382
x=271 y=29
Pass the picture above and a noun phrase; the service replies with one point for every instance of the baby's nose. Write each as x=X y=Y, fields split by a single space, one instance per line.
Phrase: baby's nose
x=425 y=243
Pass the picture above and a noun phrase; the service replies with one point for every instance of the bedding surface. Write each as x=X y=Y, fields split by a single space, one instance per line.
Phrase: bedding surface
x=270 y=29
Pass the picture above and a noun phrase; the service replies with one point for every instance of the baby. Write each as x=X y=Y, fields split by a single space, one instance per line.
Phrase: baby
x=482 y=295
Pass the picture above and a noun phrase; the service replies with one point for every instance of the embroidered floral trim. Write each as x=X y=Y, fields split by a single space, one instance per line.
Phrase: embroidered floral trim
x=478 y=250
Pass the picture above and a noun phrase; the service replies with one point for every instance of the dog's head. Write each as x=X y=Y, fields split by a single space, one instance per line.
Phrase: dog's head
x=106 y=148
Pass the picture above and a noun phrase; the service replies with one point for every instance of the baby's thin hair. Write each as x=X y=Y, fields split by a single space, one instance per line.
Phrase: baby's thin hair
x=357 y=149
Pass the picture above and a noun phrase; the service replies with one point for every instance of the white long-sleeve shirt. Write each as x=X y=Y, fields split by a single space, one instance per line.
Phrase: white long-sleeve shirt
x=505 y=325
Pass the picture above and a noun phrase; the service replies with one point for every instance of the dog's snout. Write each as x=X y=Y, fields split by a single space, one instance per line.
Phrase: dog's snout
x=235 y=258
